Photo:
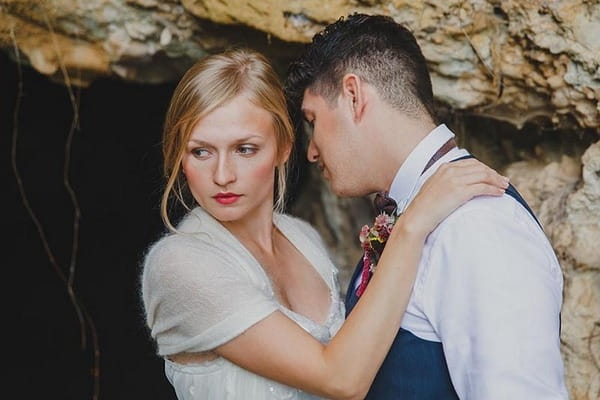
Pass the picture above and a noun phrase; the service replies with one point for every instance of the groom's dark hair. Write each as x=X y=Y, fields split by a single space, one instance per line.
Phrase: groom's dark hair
x=375 y=47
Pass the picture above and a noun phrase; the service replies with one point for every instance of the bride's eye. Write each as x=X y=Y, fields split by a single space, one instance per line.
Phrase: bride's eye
x=200 y=153
x=247 y=150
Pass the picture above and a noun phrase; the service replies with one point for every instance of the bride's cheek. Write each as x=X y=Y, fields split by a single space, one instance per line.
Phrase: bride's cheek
x=263 y=170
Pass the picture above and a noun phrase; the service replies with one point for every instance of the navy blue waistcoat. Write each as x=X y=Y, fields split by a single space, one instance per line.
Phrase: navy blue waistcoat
x=414 y=368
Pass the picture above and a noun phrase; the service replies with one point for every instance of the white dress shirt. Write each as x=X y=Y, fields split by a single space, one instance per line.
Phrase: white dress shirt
x=489 y=287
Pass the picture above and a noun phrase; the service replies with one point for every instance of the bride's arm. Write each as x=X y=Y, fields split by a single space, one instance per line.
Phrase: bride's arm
x=277 y=348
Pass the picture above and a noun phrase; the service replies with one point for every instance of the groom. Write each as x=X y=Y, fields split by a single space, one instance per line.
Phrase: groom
x=483 y=319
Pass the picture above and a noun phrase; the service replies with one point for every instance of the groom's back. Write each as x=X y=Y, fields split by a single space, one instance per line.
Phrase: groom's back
x=489 y=288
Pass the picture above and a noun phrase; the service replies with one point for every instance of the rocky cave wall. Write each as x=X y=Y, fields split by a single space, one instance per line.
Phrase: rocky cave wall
x=534 y=66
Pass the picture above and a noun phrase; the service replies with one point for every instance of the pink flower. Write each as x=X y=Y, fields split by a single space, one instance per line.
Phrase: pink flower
x=383 y=220
x=372 y=240
x=364 y=233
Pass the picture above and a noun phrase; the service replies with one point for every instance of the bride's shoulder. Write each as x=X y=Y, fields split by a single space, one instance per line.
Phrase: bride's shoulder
x=307 y=229
x=299 y=223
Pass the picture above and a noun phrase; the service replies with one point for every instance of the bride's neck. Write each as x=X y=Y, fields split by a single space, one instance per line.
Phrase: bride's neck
x=256 y=231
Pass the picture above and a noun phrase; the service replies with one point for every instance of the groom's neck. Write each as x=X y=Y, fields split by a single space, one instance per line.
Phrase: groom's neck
x=398 y=136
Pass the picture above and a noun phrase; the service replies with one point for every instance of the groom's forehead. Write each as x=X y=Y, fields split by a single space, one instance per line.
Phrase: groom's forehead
x=311 y=102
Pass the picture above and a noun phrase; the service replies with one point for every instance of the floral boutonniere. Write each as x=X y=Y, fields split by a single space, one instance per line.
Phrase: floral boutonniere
x=372 y=240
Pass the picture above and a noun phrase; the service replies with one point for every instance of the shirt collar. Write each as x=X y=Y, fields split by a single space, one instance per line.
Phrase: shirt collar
x=406 y=178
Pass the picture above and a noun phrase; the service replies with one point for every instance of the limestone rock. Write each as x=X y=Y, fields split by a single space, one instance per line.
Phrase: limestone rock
x=512 y=60
x=145 y=41
x=516 y=61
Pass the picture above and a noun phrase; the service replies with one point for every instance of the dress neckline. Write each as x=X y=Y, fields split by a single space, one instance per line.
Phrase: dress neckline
x=330 y=314
x=299 y=240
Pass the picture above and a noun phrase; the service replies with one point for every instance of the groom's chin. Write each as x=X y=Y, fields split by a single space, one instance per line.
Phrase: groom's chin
x=335 y=188
x=345 y=190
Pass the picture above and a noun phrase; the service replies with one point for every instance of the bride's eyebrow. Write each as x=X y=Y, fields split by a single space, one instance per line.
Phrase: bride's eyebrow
x=199 y=142
x=244 y=139
x=249 y=138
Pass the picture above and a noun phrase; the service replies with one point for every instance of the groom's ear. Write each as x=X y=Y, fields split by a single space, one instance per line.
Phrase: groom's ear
x=353 y=95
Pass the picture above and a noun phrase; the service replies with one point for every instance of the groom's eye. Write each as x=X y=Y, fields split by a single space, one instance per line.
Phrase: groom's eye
x=308 y=127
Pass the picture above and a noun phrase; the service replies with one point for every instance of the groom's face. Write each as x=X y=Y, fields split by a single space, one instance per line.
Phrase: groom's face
x=334 y=144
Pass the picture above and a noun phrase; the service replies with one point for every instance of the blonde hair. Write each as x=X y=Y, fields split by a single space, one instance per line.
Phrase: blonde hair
x=208 y=84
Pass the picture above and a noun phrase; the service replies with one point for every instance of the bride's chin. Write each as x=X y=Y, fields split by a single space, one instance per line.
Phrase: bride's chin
x=227 y=215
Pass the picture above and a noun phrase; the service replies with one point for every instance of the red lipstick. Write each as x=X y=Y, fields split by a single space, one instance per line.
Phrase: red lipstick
x=226 y=198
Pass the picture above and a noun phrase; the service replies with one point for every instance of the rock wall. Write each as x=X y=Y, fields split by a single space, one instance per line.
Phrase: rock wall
x=511 y=60
x=147 y=41
x=534 y=62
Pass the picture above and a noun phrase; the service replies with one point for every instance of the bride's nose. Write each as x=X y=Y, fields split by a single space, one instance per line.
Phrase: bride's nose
x=224 y=172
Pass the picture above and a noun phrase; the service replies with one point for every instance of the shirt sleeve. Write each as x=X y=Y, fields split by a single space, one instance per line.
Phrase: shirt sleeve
x=197 y=298
x=495 y=304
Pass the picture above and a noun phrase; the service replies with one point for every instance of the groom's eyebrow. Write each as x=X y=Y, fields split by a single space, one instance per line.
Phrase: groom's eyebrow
x=305 y=112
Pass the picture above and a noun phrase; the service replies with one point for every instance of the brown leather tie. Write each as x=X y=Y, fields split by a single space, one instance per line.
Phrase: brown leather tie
x=446 y=147
x=385 y=204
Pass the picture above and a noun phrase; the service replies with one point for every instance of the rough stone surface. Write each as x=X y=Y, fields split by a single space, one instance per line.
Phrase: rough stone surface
x=511 y=60
x=139 y=40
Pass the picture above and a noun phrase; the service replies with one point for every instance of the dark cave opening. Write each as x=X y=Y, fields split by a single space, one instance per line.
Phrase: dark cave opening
x=115 y=173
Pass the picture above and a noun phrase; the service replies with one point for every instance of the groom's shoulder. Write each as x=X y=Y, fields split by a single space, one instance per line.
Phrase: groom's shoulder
x=483 y=213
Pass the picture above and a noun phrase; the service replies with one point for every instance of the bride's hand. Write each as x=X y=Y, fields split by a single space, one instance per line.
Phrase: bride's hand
x=452 y=185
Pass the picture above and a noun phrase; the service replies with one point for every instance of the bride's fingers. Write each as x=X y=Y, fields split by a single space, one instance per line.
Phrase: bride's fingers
x=447 y=189
x=489 y=177
x=450 y=186
x=465 y=163
x=483 y=189
x=469 y=166
x=471 y=172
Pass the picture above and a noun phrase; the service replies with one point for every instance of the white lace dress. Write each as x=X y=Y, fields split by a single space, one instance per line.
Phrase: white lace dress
x=221 y=379
x=175 y=285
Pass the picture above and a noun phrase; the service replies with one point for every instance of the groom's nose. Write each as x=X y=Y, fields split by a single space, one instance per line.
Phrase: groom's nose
x=312 y=153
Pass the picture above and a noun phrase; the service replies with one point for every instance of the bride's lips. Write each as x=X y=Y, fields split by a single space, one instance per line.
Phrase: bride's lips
x=226 y=198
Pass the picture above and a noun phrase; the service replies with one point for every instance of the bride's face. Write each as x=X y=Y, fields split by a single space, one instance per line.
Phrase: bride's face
x=230 y=161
